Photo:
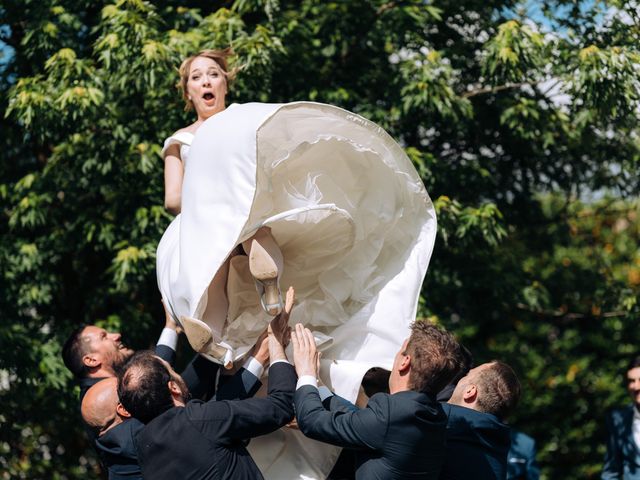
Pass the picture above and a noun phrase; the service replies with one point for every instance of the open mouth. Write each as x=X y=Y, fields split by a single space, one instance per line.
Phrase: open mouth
x=208 y=96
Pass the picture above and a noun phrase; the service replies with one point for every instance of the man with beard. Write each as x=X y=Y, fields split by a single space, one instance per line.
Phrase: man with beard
x=92 y=354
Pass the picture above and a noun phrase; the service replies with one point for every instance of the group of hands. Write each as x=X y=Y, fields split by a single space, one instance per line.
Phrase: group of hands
x=271 y=344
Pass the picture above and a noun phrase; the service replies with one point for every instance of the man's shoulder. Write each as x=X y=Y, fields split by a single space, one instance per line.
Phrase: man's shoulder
x=620 y=415
x=409 y=402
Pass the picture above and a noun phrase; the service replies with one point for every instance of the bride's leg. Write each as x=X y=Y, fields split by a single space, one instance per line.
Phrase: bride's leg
x=266 y=264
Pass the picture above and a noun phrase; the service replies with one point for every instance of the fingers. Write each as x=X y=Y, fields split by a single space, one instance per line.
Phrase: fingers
x=289 y=300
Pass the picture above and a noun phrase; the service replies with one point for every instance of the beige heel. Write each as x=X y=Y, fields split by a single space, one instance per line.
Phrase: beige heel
x=201 y=340
x=198 y=333
x=265 y=271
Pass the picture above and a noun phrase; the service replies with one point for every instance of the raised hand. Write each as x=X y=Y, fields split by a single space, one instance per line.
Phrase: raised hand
x=169 y=322
x=305 y=355
x=279 y=326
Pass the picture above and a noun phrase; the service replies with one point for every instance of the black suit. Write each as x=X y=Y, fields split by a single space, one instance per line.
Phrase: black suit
x=116 y=446
x=399 y=436
x=206 y=440
x=477 y=445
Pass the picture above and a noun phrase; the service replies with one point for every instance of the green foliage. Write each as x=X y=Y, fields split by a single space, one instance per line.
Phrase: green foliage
x=525 y=138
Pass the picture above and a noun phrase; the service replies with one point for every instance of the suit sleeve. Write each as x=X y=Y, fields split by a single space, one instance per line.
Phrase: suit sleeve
x=341 y=426
x=243 y=384
x=166 y=353
x=252 y=417
x=612 y=468
x=533 y=469
x=200 y=377
x=336 y=403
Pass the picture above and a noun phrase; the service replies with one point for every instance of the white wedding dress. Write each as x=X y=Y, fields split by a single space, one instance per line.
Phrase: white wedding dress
x=354 y=223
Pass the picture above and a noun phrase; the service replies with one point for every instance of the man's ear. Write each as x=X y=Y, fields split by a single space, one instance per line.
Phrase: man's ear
x=470 y=393
x=174 y=388
x=405 y=364
x=90 y=360
x=122 y=411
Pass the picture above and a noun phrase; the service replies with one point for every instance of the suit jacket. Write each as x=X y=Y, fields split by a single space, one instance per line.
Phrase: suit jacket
x=399 y=436
x=116 y=446
x=521 y=461
x=477 y=445
x=622 y=460
x=205 y=440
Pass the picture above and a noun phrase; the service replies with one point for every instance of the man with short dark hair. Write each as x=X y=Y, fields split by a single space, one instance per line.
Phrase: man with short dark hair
x=477 y=438
x=398 y=435
x=622 y=460
x=194 y=439
x=92 y=353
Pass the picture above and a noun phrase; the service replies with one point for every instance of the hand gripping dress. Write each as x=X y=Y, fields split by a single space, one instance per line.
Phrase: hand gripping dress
x=355 y=225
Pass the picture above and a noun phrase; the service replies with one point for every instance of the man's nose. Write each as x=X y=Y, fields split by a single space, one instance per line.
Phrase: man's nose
x=115 y=336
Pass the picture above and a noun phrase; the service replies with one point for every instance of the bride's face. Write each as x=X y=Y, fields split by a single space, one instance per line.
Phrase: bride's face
x=206 y=87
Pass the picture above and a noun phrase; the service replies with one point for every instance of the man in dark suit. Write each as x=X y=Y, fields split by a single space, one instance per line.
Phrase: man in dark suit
x=622 y=460
x=521 y=461
x=194 y=439
x=477 y=438
x=115 y=429
x=400 y=435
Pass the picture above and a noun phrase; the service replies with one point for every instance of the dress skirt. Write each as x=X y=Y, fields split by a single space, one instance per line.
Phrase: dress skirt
x=355 y=225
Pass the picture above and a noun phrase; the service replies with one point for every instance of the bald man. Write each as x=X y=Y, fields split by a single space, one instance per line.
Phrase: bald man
x=114 y=428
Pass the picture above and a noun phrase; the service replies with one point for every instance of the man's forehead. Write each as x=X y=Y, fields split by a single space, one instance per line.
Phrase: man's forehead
x=633 y=373
x=92 y=331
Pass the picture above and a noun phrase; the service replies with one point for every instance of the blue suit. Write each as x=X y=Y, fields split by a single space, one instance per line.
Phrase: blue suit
x=477 y=445
x=622 y=460
x=521 y=462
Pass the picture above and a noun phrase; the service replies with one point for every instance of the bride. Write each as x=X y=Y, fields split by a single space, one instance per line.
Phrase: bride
x=204 y=80
x=334 y=204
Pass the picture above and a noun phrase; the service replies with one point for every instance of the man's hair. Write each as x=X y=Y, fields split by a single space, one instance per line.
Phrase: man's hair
x=436 y=357
x=74 y=349
x=499 y=389
x=633 y=363
x=143 y=386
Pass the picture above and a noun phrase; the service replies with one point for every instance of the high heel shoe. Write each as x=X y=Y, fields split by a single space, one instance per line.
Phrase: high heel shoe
x=265 y=271
x=201 y=340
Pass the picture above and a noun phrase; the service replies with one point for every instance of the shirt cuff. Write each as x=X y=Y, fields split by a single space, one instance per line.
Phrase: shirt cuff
x=254 y=366
x=307 y=380
x=169 y=338
x=324 y=392
x=281 y=360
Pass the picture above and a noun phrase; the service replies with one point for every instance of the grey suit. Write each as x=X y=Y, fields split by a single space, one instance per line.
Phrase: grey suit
x=399 y=436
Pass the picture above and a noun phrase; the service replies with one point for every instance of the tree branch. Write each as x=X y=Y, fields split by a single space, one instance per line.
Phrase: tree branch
x=567 y=315
x=384 y=7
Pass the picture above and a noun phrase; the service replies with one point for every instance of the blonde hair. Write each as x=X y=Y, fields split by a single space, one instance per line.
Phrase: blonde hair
x=218 y=56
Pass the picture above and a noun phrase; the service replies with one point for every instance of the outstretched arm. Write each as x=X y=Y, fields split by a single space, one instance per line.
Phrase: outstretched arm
x=345 y=425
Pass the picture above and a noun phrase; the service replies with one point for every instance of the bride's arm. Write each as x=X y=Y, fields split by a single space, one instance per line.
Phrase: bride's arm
x=173 y=173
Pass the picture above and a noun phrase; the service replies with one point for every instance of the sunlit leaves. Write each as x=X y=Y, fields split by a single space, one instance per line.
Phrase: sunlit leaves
x=608 y=80
x=513 y=54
